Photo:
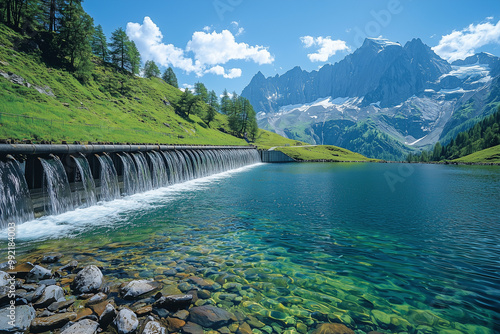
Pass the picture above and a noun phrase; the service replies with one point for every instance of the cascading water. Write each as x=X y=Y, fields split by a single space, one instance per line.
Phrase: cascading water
x=141 y=172
x=87 y=196
x=130 y=175
x=15 y=200
x=158 y=170
x=110 y=189
x=57 y=186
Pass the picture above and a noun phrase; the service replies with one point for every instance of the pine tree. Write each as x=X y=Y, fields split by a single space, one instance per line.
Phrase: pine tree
x=75 y=32
x=119 y=48
x=170 y=78
x=436 y=154
x=225 y=103
x=151 y=70
x=134 y=65
x=99 y=44
x=212 y=107
x=21 y=14
x=201 y=91
x=213 y=101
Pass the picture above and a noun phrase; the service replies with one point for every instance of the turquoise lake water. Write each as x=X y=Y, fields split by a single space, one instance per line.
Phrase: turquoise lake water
x=388 y=247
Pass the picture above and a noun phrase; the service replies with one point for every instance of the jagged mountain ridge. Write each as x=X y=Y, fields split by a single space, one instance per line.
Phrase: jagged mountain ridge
x=407 y=95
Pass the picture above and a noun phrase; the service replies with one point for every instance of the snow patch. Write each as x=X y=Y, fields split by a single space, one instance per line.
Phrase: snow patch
x=468 y=71
x=458 y=90
x=416 y=141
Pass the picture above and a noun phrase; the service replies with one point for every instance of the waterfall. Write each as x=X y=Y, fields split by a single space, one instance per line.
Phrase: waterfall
x=158 y=170
x=141 y=172
x=57 y=186
x=130 y=175
x=110 y=189
x=87 y=196
x=15 y=200
x=144 y=174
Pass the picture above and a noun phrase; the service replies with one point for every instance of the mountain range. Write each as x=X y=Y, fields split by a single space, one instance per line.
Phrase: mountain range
x=384 y=100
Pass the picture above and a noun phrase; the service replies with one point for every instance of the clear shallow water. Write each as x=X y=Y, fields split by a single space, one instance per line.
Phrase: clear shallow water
x=312 y=242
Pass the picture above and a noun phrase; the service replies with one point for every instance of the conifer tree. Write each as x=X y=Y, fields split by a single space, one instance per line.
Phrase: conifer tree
x=151 y=69
x=170 y=77
x=99 y=44
x=134 y=57
x=119 y=48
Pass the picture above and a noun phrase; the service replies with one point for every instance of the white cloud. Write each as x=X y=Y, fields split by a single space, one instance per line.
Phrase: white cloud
x=188 y=86
x=209 y=50
x=462 y=44
x=327 y=47
x=489 y=18
x=239 y=30
x=207 y=28
x=219 y=48
x=219 y=70
x=148 y=39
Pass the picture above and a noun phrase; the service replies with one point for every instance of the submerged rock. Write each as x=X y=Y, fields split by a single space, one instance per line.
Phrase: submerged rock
x=126 y=321
x=174 y=324
x=89 y=279
x=192 y=328
x=85 y=326
x=52 y=257
x=332 y=329
x=70 y=266
x=210 y=316
x=138 y=288
x=174 y=303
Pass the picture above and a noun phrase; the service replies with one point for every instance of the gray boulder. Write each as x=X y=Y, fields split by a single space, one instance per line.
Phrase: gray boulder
x=4 y=278
x=126 y=321
x=23 y=317
x=138 y=288
x=210 y=316
x=154 y=327
x=85 y=326
x=51 y=294
x=89 y=279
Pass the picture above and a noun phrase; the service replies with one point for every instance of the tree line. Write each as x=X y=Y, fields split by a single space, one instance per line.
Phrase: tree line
x=240 y=113
x=67 y=37
x=483 y=135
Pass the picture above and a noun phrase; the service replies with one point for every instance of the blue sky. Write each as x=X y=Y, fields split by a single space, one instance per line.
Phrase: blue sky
x=224 y=43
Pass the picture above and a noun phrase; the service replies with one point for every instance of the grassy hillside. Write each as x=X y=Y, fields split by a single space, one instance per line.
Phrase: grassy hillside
x=489 y=155
x=112 y=107
x=322 y=152
x=267 y=139
x=49 y=104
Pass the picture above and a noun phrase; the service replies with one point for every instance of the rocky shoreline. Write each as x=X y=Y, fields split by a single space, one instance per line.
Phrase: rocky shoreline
x=78 y=299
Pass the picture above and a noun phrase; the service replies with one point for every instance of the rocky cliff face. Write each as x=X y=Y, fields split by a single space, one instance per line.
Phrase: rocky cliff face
x=405 y=94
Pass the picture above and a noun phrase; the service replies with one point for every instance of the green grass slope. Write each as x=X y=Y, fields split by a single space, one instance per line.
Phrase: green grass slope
x=96 y=111
x=489 y=155
x=267 y=139
x=322 y=152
